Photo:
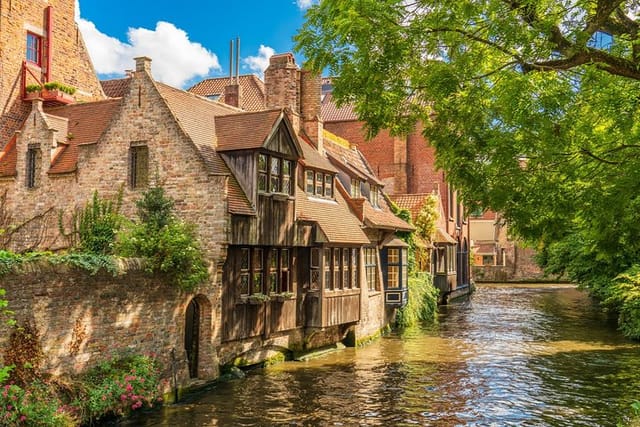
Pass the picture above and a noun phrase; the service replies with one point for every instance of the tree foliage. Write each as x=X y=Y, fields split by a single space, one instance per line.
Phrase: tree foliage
x=532 y=108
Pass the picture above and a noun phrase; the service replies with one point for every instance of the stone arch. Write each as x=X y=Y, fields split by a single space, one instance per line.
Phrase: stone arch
x=197 y=336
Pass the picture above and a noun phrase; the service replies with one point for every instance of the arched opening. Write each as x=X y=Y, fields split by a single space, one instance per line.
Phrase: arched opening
x=192 y=336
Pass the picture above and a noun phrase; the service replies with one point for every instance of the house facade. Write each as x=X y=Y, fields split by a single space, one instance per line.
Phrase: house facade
x=298 y=259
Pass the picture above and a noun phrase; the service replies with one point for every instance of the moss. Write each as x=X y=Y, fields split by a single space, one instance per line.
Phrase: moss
x=276 y=358
x=361 y=342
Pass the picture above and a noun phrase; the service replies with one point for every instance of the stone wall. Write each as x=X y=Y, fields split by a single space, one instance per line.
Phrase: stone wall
x=83 y=319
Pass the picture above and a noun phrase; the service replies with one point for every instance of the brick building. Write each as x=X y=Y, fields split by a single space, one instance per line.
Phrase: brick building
x=297 y=258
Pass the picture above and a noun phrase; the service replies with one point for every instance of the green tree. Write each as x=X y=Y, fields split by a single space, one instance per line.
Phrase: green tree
x=531 y=106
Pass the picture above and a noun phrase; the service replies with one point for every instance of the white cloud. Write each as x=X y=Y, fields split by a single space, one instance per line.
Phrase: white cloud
x=175 y=58
x=260 y=62
x=304 y=4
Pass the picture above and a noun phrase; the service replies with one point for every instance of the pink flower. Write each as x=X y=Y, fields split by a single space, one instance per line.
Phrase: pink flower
x=123 y=397
x=23 y=418
x=129 y=387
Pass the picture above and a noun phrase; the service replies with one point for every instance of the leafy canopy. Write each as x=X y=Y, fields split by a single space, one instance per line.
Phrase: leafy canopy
x=532 y=107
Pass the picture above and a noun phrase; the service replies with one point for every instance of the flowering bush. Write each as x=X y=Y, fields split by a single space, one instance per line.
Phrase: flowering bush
x=35 y=405
x=117 y=387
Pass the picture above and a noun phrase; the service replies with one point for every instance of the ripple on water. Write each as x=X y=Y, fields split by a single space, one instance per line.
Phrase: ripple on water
x=510 y=356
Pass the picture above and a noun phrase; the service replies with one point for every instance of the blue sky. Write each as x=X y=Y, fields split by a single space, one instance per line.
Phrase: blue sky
x=187 y=40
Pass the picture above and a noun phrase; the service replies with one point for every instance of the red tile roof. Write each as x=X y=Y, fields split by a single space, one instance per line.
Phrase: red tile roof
x=246 y=130
x=313 y=159
x=253 y=98
x=411 y=202
x=84 y=124
x=116 y=88
x=350 y=160
x=332 y=113
x=8 y=159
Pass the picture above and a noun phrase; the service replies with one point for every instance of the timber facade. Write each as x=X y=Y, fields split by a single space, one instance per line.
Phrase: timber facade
x=300 y=241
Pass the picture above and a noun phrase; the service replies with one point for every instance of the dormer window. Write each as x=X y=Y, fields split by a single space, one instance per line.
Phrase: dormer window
x=355 y=188
x=274 y=174
x=34 y=48
x=319 y=184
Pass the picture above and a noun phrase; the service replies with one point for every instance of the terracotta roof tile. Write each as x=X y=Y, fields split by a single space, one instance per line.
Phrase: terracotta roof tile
x=253 y=98
x=313 y=159
x=116 y=88
x=349 y=157
x=8 y=159
x=383 y=218
x=334 y=219
x=332 y=113
x=411 y=202
x=246 y=130
x=85 y=123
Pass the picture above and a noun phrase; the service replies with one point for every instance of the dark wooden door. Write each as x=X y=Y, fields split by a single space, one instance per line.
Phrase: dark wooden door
x=191 y=336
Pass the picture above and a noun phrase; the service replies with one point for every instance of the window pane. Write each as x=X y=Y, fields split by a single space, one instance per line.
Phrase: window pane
x=33 y=48
x=286 y=185
x=139 y=166
x=262 y=182
x=262 y=162
x=284 y=259
x=328 y=185
x=286 y=167
x=393 y=277
x=244 y=259
x=315 y=257
x=309 y=184
x=274 y=173
x=393 y=256
x=244 y=284
x=319 y=183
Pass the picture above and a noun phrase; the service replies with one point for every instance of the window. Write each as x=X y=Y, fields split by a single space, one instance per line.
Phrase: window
x=257 y=287
x=34 y=48
x=315 y=269
x=354 y=268
x=336 y=269
x=319 y=184
x=273 y=271
x=374 y=195
x=328 y=186
x=309 y=181
x=33 y=155
x=285 y=285
x=488 y=260
x=355 y=188
x=451 y=258
x=327 y=269
x=440 y=260
x=279 y=271
x=371 y=268
x=274 y=174
x=345 y=268
x=138 y=166
x=396 y=268
x=244 y=271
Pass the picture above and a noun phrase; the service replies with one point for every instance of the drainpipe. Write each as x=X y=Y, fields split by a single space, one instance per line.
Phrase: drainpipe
x=49 y=35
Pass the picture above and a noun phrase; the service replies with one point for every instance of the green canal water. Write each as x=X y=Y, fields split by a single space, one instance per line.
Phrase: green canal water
x=509 y=356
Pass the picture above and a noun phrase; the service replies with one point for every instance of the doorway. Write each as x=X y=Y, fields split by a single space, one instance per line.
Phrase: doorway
x=192 y=336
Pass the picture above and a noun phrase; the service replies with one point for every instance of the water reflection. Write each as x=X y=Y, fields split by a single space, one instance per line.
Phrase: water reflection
x=508 y=356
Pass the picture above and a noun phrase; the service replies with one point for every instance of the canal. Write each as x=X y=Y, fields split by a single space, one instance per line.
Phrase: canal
x=509 y=356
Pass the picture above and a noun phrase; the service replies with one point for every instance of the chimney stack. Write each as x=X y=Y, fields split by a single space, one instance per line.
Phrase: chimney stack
x=143 y=63
x=282 y=85
x=310 y=107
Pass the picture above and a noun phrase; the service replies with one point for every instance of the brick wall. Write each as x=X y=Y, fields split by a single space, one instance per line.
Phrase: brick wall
x=83 y=319
x=71 y=64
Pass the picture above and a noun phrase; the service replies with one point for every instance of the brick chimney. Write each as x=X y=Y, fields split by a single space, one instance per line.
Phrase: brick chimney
x=298 y=91
x=233 y=94
x=310 y=93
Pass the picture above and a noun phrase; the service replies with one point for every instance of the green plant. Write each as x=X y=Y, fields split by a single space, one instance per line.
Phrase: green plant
x=87 y=261
x=422 y=305
x=168 y=245
x=35 y=405
x=258 y=298
x=61 y=87
x=120 y=385
x=34 y=87
x=94 y=228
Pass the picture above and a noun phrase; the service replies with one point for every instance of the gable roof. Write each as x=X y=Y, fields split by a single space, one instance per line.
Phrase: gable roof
x=247 y=130
x=115 y=88
x=411 y=202
x=84 y=124
x=253 y=98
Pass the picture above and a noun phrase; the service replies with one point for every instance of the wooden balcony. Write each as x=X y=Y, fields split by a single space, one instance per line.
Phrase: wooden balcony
x=50 y=97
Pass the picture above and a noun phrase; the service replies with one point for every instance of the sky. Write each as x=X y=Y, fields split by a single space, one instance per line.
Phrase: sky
x=187 y=40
